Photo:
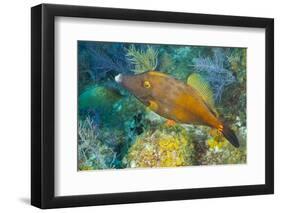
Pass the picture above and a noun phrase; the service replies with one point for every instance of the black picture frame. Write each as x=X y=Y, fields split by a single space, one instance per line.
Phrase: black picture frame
x=43 y=117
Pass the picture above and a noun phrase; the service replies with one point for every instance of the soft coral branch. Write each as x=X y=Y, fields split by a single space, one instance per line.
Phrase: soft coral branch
x=215 y=72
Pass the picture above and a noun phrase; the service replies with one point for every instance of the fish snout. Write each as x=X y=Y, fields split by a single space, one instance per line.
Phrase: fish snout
x=118 y=78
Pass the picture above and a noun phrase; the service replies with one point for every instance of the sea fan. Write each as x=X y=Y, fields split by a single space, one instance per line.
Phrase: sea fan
x=142 y=60
x=102 y=60
x=215 y=72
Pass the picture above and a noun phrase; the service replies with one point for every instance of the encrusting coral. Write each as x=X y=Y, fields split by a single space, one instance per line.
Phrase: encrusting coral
x=221 y=152
x=167 y=147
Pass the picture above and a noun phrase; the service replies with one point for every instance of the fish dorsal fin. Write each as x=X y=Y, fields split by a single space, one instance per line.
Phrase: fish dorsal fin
x=197 y=82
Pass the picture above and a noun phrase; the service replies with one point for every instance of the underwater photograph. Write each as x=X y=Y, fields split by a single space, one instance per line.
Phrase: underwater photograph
x=160 y=105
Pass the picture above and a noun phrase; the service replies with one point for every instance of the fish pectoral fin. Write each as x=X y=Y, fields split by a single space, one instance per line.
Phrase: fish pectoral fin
x=170 y=122
x=152 y=105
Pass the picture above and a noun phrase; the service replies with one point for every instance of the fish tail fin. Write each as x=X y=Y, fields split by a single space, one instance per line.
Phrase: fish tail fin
x=230 y=135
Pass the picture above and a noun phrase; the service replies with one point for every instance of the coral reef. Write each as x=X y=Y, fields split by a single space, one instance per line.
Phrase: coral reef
x=168 y=147
x=92 y=152
x=221 y=152
x=98 y=97
x=115 y=130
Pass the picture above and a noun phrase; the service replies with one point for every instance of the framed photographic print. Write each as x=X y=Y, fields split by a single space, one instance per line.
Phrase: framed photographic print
x=139 y=106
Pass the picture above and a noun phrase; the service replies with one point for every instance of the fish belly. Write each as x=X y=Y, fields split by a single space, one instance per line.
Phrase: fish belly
x=191 y=109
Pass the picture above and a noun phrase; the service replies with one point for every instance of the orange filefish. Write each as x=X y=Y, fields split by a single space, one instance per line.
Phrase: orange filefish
x=175 y=100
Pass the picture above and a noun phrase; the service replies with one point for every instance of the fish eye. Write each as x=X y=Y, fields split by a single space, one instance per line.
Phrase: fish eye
x=146 y=84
